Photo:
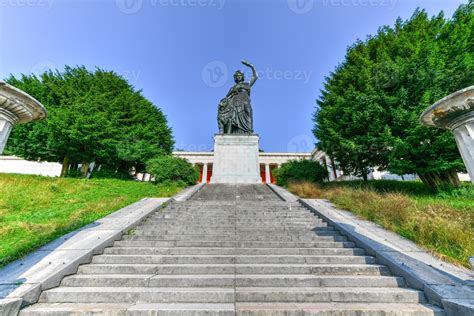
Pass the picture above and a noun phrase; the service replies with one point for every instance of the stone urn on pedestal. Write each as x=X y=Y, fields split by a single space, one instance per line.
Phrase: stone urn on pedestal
x=16 y=107
x=456 y=113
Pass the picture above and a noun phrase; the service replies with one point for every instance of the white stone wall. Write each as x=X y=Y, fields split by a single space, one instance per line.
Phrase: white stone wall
x=11 y=164
x=322 y=158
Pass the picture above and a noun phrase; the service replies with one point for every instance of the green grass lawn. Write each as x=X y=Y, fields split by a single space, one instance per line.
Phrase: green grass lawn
x=35 y=210
x=441 y=221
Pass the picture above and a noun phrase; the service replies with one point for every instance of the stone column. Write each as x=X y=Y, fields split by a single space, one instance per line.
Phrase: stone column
x=464 y=136
x=268 y=178
x=329 y=169
x=204 y=173
x=5 y=128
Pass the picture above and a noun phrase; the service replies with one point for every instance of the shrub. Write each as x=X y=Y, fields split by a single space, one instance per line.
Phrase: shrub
x=172 y=169
x=300 y=170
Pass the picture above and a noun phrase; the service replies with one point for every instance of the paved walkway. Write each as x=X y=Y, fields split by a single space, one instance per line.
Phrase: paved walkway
x=233 y=249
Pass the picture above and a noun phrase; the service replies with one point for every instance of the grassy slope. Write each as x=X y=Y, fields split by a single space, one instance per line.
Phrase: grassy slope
x=442 y=222
x=35 y=210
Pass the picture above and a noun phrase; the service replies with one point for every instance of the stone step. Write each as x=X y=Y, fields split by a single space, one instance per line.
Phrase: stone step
x=245 y=205
x=237 y=230
x=233 y=234
x=318 y=269
x=232 y=238
x=233 y=223
x=210 y=226
x=225 y=207
x=228 y=259
x=236 y=244
x=228 y=295
x=327 y=230
x=241 y=205
x=233 y=212
x=336 y=309
x=234 y=251
x=233 y=216
x=236 y=214
x=328 y=294
x=214 y=232
x=131 y=309
x=239 y=309
x=138 y=294
x=240 y=217
x=229 y=280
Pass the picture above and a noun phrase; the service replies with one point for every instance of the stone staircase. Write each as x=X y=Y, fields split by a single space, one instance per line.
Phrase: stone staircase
x=233 y=249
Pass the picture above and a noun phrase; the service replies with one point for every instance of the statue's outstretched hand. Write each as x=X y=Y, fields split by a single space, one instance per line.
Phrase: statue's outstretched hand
x=246 y=63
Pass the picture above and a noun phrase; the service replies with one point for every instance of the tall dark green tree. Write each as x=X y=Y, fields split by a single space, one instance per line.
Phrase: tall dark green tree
x=94 y=116
x=368 y=114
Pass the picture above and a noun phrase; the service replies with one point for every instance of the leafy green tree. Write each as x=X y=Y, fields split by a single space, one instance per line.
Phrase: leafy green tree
x=368 y=113
x=300 y=170
x=93 y=117
x=172 y=169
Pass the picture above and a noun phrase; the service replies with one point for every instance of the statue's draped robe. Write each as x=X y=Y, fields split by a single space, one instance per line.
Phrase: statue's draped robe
x=239 y=103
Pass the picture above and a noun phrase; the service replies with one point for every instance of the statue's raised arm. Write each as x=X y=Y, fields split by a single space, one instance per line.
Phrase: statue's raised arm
x=254 y=72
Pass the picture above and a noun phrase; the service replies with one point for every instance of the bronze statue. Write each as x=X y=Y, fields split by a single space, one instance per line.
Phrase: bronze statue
x=235 y=112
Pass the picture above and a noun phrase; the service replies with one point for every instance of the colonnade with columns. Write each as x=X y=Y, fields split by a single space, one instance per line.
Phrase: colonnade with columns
x=268 y=163
x=266 y=171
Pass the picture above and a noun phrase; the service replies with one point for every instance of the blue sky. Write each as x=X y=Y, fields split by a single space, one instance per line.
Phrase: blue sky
x=182 y=53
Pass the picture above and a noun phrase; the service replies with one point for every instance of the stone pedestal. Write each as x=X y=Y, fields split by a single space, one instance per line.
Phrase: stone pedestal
x=236 y=159
x=456 y=113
